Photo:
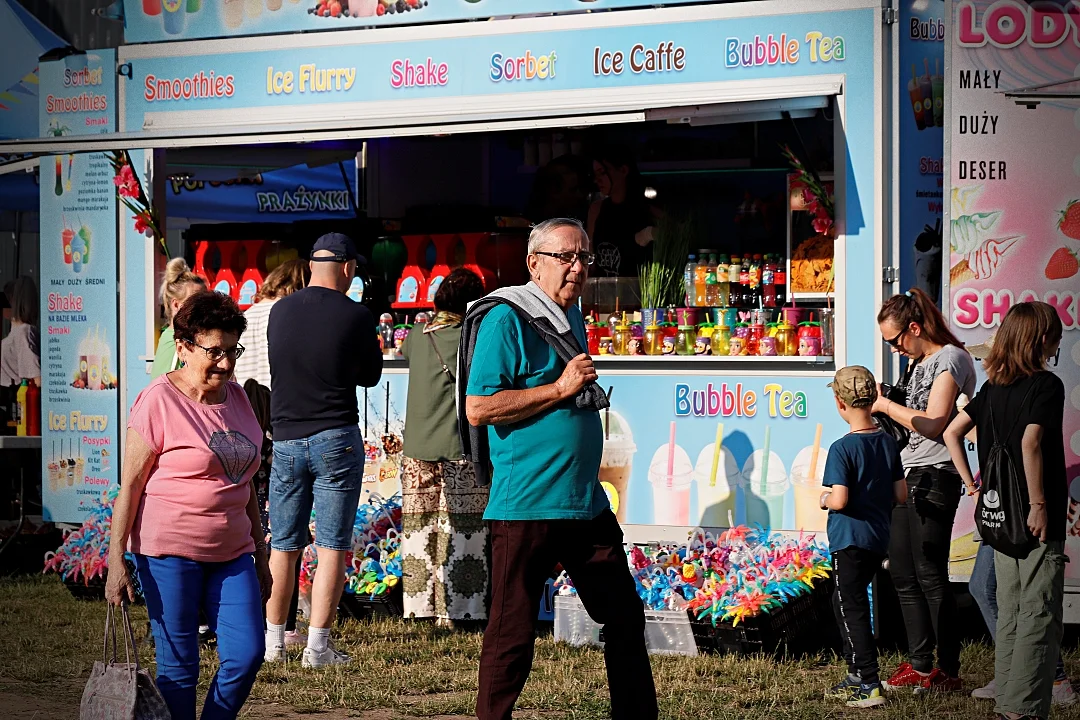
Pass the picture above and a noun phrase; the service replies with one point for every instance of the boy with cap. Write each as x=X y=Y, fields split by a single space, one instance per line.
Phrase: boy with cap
x=321 y=346
x=863 y=478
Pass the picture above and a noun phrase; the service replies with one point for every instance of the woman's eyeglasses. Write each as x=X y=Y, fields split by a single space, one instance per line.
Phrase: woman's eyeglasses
x=1054 y=362
x=895 y=342
x=215 y=353
x=567 y=258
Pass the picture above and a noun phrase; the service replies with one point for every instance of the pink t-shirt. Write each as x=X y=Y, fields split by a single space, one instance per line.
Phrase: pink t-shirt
x=195 y=504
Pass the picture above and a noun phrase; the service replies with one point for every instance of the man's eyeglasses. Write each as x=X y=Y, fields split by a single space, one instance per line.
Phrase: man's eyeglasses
x=567 y=258
x=215 y=353
x=895 y=342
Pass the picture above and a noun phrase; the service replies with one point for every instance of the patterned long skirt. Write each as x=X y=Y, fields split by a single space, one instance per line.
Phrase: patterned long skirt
x=444 y=548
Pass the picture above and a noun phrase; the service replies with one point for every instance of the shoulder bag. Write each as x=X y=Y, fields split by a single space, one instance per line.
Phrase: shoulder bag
x=121 y=691
x=898 y=394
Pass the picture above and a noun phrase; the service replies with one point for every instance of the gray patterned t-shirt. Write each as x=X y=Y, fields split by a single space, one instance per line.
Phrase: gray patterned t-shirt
x=923 y=451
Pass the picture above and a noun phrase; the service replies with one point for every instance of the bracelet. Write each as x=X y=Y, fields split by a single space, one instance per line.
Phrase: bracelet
x=972 y=489
x=1041 y=502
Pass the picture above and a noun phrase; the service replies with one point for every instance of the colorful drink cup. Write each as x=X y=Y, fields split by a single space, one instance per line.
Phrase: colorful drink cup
x=808 y=489
x=617 y=461
x=765 y=489
x=671 y=490
x=715 y=502
x=151 y=7
x=66 y=236
x=84 y=233
x=234 y=14
x=78 y=247
x=173 y=16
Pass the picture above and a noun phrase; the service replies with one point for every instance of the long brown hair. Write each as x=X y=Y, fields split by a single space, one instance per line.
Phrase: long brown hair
x=285 y=279
x=915 y=306
x=1019 y=348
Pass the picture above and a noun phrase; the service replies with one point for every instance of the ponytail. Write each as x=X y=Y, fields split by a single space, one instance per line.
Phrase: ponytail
x=915 y=306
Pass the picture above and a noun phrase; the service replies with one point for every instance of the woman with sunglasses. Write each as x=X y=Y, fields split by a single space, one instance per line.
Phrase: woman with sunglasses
x=188 y=511
x=922 y=528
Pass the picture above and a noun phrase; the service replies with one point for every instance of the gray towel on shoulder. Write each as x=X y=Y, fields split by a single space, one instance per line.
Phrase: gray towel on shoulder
x=549 y=321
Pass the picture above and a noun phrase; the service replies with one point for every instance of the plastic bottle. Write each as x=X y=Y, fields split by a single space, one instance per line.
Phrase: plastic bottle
x=780 y=281
x=746 y=296
x=734 y=284
x=22 y=411
x=723 y=286
x=688 y=279
x=768 y=282
x=33 y=409
x=701 y=270
x=754 y=273
x=712 y=288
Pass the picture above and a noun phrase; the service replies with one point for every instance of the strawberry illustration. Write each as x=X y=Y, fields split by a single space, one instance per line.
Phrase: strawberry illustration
x=1063 y=264
x=1069 y=224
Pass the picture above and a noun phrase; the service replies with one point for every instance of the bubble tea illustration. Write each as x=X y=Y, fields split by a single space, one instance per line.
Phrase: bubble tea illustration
x=670 y=474
x=173 y=16
x=54 y=470
x=917 y=100
x=807 y=472
x=765 y=486
x=716 y=476
x=617 y=461
x=937 y=85
x=926 y=90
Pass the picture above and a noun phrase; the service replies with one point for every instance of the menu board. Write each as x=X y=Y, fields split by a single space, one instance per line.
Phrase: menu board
x=79 y=401
x=1014 y=202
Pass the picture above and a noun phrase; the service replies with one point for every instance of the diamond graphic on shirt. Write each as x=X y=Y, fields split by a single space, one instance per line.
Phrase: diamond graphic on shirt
x=235 y=452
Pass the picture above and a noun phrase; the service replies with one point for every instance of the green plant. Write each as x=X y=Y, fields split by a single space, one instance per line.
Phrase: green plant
x=661 y=278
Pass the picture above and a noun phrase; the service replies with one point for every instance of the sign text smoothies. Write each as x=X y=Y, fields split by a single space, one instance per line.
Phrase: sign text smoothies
x=737 y=401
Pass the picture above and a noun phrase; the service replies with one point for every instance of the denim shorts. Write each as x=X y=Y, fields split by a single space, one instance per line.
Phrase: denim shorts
x=324 y=471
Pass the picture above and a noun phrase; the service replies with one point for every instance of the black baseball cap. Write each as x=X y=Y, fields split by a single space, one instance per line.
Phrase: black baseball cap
x=340 y=245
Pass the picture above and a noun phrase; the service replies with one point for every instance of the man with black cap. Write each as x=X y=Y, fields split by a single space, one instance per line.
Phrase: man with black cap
x=322 y=345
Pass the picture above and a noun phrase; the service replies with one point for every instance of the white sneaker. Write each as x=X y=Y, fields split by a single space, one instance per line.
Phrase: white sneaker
x=330 y=656
x=1064 y=694
x=295 y=638
x=987 y=692
x=274 y=653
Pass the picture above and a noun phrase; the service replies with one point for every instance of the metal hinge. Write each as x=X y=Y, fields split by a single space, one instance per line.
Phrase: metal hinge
x=890 y=274
x=890 y=16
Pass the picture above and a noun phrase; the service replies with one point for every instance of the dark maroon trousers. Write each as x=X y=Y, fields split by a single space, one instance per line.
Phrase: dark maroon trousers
x=523 y=554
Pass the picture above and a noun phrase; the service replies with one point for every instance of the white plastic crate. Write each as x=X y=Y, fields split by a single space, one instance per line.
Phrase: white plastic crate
x=667 y=632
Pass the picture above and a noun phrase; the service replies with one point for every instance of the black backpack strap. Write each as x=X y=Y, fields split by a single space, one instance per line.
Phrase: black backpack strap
x=1019 y=413
x=445 y=368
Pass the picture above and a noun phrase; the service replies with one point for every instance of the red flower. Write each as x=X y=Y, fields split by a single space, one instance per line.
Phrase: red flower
x=822 y=224
x=127 y=185
x=142 y=224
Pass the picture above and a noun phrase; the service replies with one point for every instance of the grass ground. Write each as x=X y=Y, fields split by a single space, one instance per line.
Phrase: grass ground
x=49 y=641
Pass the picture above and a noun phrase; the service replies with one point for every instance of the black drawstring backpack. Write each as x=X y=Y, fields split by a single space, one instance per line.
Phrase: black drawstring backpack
x=1001 y=515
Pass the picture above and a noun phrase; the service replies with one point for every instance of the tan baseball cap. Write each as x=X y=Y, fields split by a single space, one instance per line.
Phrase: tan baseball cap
x=855 y=385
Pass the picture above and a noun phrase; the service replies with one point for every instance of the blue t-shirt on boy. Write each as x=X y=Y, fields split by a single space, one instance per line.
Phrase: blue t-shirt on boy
x=867 y=464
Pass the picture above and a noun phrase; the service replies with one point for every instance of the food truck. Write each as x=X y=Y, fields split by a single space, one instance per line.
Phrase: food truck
x=448 y=132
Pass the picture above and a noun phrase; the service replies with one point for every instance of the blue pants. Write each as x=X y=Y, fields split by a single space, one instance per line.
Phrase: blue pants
x=228 y=592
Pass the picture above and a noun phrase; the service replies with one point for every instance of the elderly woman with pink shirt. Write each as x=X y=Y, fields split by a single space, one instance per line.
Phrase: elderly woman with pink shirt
x=188 y=511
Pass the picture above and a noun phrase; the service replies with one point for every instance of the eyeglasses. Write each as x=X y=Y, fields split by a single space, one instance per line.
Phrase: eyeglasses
x=895 y=342
x=1057 y=356
x=568 y=258
x=215 y=353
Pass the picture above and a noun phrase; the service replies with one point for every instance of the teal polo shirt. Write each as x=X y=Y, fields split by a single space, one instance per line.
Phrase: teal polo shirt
x=545 y=467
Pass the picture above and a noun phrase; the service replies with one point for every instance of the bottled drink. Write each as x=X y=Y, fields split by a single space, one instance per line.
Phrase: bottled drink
x=768 y=282
x=754 y=274
x=722 y=281
x=712 y=289
x=734 y=282
x=701 y=270
x=780 y=281
x=688 y=279
x=746 y=295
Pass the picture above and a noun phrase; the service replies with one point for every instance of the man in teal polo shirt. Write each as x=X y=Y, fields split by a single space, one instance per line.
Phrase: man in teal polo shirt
x=546 y=505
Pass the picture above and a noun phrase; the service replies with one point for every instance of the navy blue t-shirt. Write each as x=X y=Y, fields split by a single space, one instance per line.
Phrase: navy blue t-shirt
x=867 y=464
